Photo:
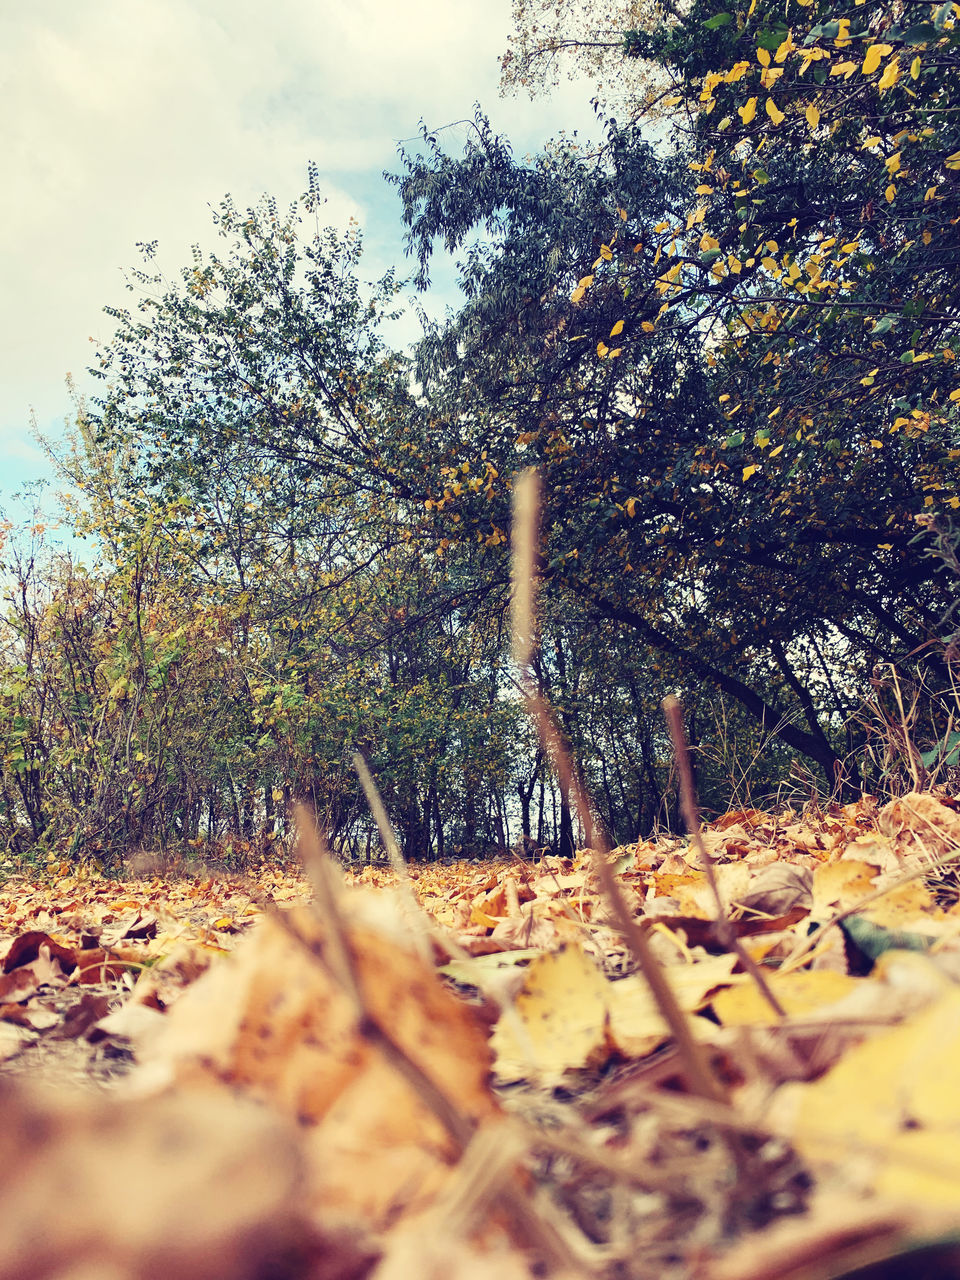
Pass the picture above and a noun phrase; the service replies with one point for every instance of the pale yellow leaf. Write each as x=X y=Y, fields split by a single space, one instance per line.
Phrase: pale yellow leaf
x=798 y=993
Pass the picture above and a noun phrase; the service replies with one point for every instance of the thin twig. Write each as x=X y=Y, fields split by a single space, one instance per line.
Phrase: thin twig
x=510 y=1195
x=380 y=815
x=336 y=956
x=696 y=1066
x=428 y=925
x=525 y=542
x=691 y=816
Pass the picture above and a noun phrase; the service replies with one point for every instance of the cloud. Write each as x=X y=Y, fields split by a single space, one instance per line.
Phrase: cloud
x=124 y=119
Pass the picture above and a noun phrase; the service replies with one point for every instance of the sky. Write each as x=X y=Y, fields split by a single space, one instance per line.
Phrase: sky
x=125 y=120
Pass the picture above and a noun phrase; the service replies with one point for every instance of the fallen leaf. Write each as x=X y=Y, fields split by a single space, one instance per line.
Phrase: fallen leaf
x=26 y=948
x=635 y=1024
x=890 y=1109
x=778 y=889
x=557 y=1022
x=799 y=993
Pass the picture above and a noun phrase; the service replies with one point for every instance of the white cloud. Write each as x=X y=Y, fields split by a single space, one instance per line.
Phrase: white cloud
x=124 y=119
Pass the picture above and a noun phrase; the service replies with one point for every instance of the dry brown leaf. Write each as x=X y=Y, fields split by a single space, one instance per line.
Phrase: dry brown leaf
x=27 y=948
x=201 y=1187
x=778 y=889
x=921 y=823
x=272 y=1021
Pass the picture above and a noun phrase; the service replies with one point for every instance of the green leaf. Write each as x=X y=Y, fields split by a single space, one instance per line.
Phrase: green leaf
x=718 y=20
x=946 y=752
x=872 y=940
x=921 y=33
x=772 y=39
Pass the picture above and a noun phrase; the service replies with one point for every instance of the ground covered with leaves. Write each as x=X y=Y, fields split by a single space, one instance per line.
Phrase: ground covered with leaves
x=461 y=1070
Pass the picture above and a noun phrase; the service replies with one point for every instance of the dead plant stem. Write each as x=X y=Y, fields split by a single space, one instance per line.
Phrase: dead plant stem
x=691 y=815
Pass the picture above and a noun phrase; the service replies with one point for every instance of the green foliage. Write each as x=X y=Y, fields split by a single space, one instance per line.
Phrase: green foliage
x=730 y=352
x=747 y=394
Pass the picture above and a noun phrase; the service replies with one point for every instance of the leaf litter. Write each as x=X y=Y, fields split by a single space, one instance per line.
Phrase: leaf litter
x=462 y=1069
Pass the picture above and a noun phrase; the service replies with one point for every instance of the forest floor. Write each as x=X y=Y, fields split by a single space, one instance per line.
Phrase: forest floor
x=462 y=1071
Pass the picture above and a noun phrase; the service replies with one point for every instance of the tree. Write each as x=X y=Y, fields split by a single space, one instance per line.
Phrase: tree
x=735 y=521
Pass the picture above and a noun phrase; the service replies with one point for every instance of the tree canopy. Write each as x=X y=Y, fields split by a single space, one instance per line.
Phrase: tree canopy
x=725 y=334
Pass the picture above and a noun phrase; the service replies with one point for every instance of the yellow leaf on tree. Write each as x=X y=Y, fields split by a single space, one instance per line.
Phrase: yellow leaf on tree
x=813 y=116
x=617 y=328
x=774 y=112
x=889 y=194
x=647 y=327
x=763 y=57
x=891 y=74
x=873 y=57
x=953 y=162
x=602 y=349
x=748 y=110
x=749 y=471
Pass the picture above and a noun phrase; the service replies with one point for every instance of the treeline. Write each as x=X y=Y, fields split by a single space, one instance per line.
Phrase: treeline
x=146 y=709
x=731 y=353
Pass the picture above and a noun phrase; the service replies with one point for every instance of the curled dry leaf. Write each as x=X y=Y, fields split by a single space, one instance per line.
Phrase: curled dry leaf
x=921 y=823
x=273 y=1022
x=778 y=889
x=27 y=948
x=203 y=1186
